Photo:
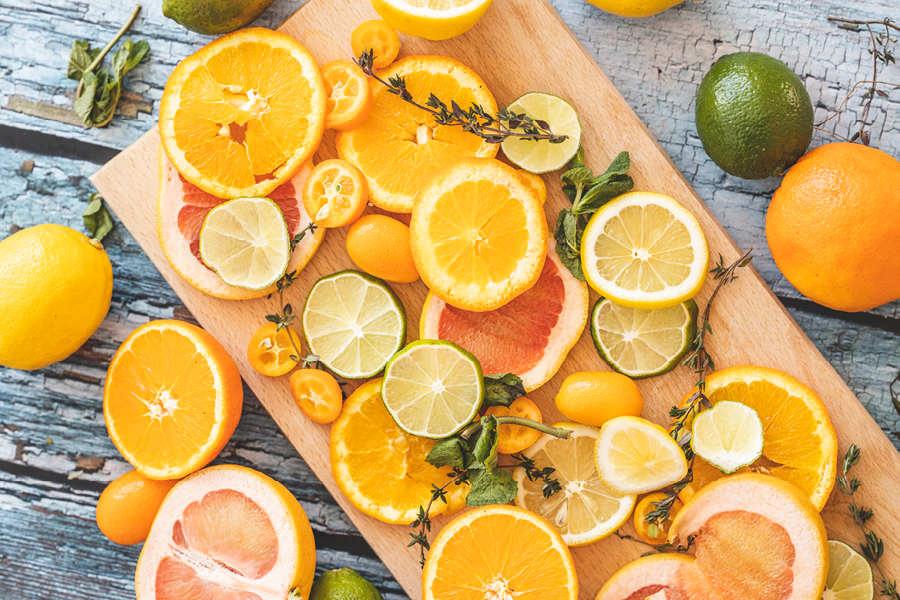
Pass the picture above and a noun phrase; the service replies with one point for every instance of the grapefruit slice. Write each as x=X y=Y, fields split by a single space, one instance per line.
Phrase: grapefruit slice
x=529 y=336
x=230 y=533
x=649 y=577
x=180 y=212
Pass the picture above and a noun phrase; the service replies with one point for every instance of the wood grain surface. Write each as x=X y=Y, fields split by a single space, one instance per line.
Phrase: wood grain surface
x=751 y=325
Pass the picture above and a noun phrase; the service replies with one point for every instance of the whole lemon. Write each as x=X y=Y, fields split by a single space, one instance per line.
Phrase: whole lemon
x=593 y=398
x=55 y=288
x=834 y=226
x=379 y=245
x=128 y=505
x=635 y=8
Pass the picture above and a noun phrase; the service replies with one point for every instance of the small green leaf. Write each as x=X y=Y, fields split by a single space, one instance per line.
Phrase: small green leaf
x=491 y=487
x=450 y=452
x=137 y=54
x=576 y=175
x=619 y=165
x=485 y=448
x=96 y=218
x=80 y=58
x=568 y=240
x=84 y=104
x=501 y=390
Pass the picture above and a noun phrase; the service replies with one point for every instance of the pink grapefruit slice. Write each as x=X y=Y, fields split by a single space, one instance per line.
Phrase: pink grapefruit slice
x=227 y=533
x=649 y=577
x=181 y=209
x=529 y=336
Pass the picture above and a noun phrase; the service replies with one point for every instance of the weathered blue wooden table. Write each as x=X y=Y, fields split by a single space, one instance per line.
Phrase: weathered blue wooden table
x=55 y=455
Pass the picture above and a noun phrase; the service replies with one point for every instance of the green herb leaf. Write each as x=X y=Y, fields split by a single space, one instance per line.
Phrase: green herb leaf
x=80 y=58
x=577 y=174
x=485 y=448
x=619 y=166
x=602 y=192
x=491 y=487
x=568 y=241
x=84 y=104
x=96 y=218
x=501 y=390
x=450 y=452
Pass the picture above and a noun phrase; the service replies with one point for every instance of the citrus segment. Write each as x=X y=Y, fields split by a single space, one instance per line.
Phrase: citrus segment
x=172 y=399
x=634 y=456
x=431 y=19
x=335 y=193
x=529 y=336
x=849 y=575
x=645 y=578
x=586 y=510
x=240 y=116
x=512 y=439
x=400 y=147
x=317 y=394
x=543 y=156
x=380 y=469
x=728 y=436
x=349 y=97
x=536 y=183
x=378 y=38
x=517 y=553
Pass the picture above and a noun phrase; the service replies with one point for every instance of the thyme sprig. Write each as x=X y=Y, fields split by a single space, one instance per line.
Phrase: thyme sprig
x=700 y=362
x=873 y=548
x=493 y=129
x=550 y=485
x=661 y=548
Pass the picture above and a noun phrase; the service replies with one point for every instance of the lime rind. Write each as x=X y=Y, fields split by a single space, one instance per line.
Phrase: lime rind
x=541 y=156
x=850 y=575
x=246 y=241
x=433 y=388
x=728 y=436
x=638 y=343
x=354 y=323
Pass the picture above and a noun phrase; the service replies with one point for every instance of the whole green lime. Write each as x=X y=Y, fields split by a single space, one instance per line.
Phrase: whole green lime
x=754 y=117
x=343 y=584
x=214 y=17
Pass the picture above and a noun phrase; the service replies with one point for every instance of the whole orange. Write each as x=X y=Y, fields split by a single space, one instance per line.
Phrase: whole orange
x=834 y=226
x=128 y=505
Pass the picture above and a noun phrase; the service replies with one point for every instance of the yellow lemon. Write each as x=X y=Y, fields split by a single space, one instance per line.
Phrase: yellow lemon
x=431 y=19
x=635 y=8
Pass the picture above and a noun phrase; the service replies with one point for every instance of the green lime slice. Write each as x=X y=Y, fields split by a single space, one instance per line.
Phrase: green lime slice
x=246 y=242
x=728 y=436
x=643 y=343
x=354 y=323
x=543 y=156
x=849 y=574
x=433 y=388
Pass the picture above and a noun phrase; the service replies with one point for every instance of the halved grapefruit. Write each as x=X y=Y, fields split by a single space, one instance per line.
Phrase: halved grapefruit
x=180 y=212
x=649 y=577
x=529 y=336
x=231 y=533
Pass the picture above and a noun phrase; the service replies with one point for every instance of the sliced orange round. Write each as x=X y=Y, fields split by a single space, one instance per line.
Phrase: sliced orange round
x=230 y=533
x=400 y=147
x=349 y=97
x=499 y=551
x=335 y=193
x=172 y=399
x=241 y=115
x=478 y=234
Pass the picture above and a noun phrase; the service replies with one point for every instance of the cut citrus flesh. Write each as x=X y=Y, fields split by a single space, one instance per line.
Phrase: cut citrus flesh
x=757 y=537
x=728 y=436
x=172 y=399
x=536 y=183
x=634 y=456
x=246 y=242
x=586 y=510
x=800 y=441
x=644 y=250
x=643 y=343
x=849 y=574
x=478 y=235
x=499 y=551
x=380 y=469
x=270 y=350
x=354 y=323
x=227 y=532
x=241 y=115
x=376 y=37
x=655 y=533
x=647 y=577
x=335 y=193
x=400 y=147
x=543 y=156
x=433 y=389
x=349 y=97
x=182 y=208
x=529 y=336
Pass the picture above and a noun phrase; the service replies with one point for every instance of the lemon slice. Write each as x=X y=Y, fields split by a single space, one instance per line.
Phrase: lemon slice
x=728 y=436
x=643 y=343
x=586 y=510
x=849 y=574
x=433 y=388
x=246 y=242
x=644 y=250
x=543 y=156
x=635 y=456
x=431 y=19
x=354 y=323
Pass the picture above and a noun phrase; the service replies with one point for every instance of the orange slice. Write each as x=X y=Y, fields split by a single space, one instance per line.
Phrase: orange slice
x=335 y=193
x=499 y=551
x=400 y=147
x=241 y=115
x=349 y=97
x=172 y=399
x=230 y=533
x=478 y=235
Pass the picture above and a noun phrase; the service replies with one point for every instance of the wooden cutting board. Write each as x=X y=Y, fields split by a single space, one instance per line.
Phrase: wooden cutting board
x=521 y=46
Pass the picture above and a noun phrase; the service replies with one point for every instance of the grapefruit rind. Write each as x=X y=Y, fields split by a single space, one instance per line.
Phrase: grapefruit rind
x=647 y=575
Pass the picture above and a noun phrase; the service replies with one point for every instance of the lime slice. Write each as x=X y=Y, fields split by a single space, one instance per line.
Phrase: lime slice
x=586 y=510
x=354 y=323
x=543 y=156
x=433 y=388
x=644 y=250
x=643 y=343
x=728 y=436
x=849 y=574
x=246 y=242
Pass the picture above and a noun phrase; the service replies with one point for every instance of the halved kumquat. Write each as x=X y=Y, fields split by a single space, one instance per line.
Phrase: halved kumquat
x=335 y=193
x=512 y=439
x=349 y=96
x=380 y=38
x=317 y=394
x=269 y=351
